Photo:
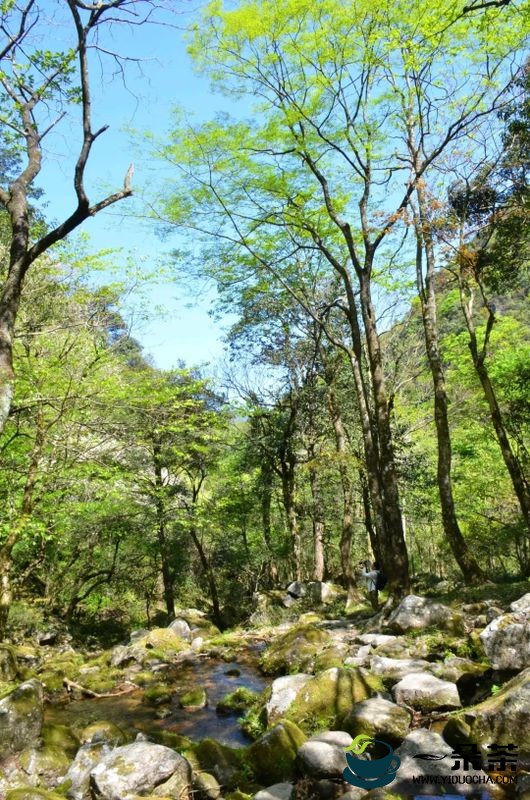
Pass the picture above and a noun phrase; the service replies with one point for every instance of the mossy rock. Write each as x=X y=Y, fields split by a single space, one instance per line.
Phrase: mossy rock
x=52 y=680
x=222 y=761
x=332 y=657
x=8 y=663
x=46 y=765
x=31 y=793
x=295 y=651
x=325 y=700
x=171 y=739
x=238 y=795
x=157 y=694
x=105 y=731
x=163 y=642
x=195 y=698
x=272 y=757
x=238 y=701
x=146 y=678
x=104 y=680
x=60 y=736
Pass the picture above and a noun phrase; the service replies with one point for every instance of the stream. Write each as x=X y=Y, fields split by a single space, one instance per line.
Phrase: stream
x=134 y=712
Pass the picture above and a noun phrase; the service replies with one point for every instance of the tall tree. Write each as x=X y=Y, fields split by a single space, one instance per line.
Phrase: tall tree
x=37 y=87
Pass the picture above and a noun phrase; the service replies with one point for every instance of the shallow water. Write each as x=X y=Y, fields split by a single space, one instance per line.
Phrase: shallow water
x=131 y=711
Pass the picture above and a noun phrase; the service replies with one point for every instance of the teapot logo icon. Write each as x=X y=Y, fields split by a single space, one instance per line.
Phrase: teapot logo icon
x=370 y=772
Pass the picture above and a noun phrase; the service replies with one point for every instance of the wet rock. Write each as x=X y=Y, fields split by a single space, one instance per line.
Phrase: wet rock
x=295 y=650
x=397 y=668
x=323 y=756
x=206 y=786
x=283 y=692
x=273 y=755
x=279 y=791
x=138 y=768
x=425 y=692
x=423 y=741
x=78 y=775
x=506 y=641
x=44 y=766
x=8 y=663
x=379 y=719
x=415 y=612
x=181 y=628
x=21 y=716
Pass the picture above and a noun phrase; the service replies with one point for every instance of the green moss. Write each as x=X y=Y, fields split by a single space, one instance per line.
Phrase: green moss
x=30 y=793
x=157 y=694
x=47 y=762
x=171 y=739
x=145 y=678
x=195 y=698
x=60 y=736
x=295 y=651
x=325 y=700
x=272 y=757
x=238 y=701
x=105 y=731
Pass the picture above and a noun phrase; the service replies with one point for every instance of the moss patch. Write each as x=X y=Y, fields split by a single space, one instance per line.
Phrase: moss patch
x=272 y=757
x=295 y=651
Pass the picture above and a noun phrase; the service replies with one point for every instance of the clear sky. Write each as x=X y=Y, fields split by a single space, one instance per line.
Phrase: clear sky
x=162 y=79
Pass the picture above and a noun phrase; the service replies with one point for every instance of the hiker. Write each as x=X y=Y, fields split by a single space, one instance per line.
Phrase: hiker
x=371 y=576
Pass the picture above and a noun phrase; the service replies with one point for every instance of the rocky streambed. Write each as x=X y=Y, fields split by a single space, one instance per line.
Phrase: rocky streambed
x=266 y=713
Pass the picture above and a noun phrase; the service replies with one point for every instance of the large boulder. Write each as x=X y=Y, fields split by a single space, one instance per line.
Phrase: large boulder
x=379 y=719
x=425 y=692
x=21 y=716
x=137 y=769
x=506 y=641
x=222 y=761
x=321 y=592
x=295 y=650
x=283 y=692
x=415 y=612
x=181 y=628
x=322 y=756
x=273 y=756
x=420 y=742
x=78 y=776
x=504 y=717
x=325 y=700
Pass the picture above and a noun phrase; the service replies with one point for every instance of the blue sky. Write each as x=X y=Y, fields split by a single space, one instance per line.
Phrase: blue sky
x=164 y=78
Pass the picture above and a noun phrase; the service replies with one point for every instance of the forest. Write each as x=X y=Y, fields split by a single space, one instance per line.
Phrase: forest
x=360 y=214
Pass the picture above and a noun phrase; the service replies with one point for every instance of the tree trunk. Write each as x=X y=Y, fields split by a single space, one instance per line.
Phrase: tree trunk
x=426 y=290
x=210 y=577
x=511 y=461
x=318 y=521
x=266 y=500
x=288 y=495
x=392 y=548
x=348 y=503
x=167 y=576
